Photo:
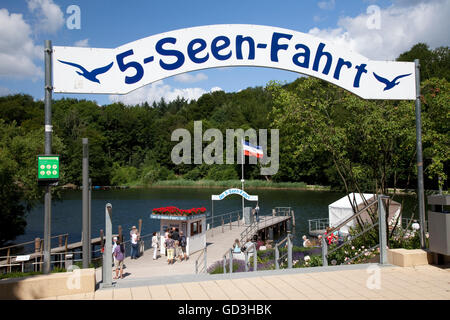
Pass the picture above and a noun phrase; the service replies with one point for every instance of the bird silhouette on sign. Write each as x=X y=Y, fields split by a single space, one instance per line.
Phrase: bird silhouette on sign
x=390 y=84
x=90 y=75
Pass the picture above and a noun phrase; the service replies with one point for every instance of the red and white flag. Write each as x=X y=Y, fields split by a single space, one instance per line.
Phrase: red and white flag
x=251 y=150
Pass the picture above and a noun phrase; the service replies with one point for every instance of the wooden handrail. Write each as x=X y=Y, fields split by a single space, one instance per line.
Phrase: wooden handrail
x=29 y=242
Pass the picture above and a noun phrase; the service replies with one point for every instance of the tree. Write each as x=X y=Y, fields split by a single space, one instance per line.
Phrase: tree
x=12 y=214
x=436 y=131
x=433 y=63
x=18 y=174
x=366 y=141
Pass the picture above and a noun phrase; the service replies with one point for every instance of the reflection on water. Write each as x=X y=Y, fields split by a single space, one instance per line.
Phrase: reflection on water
x=130 y=205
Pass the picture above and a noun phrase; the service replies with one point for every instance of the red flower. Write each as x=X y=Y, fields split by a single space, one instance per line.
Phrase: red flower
x=174 y=211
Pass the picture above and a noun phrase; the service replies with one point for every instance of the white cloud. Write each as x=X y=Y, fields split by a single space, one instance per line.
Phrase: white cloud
x=155 y=91
x=189 y=78
x=326 y=5
x=49 y=15
x=17 y=50
x=82 y=43
x=215 y=89
x=400 y=28
x=4 y=91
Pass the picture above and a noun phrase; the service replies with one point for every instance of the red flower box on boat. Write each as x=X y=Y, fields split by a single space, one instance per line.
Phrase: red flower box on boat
x=174 y=211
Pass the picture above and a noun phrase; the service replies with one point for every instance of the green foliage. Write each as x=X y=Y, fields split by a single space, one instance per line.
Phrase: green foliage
x=155 y=173
x=94 y=264
x=314 y=261
x=18 y=274
x=222 y=173
x=28 y=274
x=123 y=175
x=12 y=216
x=195 y=174
x=330 y=135
x=218 y=269
x=405 y=238
x=433 y=63
x=237 y=183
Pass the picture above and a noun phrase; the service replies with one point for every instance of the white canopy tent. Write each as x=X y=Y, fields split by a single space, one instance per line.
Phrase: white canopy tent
x=341 y=210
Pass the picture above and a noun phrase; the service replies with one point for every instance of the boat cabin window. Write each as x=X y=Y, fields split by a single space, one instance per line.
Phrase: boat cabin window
x=196 y=227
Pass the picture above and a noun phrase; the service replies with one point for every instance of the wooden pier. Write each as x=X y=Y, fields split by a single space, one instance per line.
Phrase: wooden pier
x=268 y=226
x=219 y=240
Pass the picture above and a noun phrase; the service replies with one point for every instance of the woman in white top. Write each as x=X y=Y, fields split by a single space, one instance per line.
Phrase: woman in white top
x=306 y=242
x=134 y=242
x=166 y=236
x=155 y=245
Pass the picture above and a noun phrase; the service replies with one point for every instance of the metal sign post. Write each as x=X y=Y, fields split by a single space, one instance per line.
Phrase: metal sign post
x=89 y=220
x=86 y=239
x=420 y=186
x=382 y=231
x=48 y=150
x=107 y=252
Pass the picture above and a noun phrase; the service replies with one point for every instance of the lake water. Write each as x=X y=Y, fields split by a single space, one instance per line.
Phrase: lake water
x=130 y=205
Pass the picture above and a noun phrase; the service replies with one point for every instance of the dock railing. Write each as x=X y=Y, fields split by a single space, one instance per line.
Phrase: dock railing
x=225 y=220
x=382 y=233
x=317 y=226
x=250 y=250
x=286 y=256
x=249 y=231
x=201 y=261
x=33 y=261
x=259 y=223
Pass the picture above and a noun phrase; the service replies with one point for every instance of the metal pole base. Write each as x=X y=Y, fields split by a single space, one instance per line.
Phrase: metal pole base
x=106 y=285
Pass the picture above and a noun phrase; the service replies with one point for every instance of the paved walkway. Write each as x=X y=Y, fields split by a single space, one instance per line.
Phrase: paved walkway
x=218 y=243
x=357 y=282
x=146 y=267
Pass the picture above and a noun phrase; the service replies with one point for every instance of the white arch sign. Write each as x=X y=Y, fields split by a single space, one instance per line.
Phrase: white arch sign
x=138 y=63
x=239 y=192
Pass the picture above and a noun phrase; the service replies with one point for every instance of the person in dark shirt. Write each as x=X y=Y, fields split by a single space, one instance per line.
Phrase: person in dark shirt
x=175 y=235
x=183 y=244
x=259 y=243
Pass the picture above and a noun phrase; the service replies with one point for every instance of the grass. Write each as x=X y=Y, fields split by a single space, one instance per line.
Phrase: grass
x=236 y=184
x=18 y=274
x=94 y=264
x=28 y=274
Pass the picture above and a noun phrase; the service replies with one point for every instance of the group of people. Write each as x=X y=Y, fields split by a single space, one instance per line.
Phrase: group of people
x=248 y=245
x=174 y=243
x=331 y=237
x=118 y=251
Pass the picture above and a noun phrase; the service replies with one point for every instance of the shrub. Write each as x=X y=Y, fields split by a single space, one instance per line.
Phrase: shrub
x=222 y=173
x=156 y=173
x=123 y=175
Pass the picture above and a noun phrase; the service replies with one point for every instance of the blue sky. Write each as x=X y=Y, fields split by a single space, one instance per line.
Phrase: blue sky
x=24 y=25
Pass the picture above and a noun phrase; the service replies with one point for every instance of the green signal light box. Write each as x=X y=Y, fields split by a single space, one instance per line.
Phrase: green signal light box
x=48 y=168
